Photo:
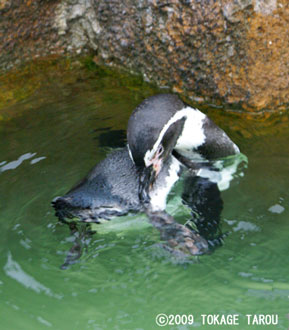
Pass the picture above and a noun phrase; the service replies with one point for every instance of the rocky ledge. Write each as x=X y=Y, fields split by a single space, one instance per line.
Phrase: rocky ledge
x=229 y=51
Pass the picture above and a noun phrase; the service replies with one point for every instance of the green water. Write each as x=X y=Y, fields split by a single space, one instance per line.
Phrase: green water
x=125 y=279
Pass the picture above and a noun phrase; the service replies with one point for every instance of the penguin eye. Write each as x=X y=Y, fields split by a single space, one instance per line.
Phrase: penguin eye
x=160 y=150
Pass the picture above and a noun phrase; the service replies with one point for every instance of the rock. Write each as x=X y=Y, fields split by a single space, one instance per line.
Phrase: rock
x=230 y=51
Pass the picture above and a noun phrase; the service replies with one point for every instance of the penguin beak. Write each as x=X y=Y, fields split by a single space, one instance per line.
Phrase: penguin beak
x=146 y=180
x=149 y=175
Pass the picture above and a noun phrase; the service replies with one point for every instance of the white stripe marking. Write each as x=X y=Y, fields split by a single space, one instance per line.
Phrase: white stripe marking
x=163 y=186
x=130 y=154
x=192 y=135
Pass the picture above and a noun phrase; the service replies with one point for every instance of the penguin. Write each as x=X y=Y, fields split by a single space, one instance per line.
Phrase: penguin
x=165 y=136
x=165 y=130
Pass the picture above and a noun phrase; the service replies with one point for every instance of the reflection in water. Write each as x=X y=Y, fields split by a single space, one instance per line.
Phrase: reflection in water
x=15 y=163
x=36 y=160
x=81 y=234
x=246 y=226
x=14 y=270
x=223 y=171
x=277 y=208
x=4 y=166
x=204 y=199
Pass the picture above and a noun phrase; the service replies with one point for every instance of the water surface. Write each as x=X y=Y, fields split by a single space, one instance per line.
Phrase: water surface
x=125 y=279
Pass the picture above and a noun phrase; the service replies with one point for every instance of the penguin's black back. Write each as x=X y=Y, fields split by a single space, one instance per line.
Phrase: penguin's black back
x=111 y=188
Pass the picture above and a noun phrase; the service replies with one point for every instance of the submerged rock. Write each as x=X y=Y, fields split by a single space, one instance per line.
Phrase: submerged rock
x=231 y=51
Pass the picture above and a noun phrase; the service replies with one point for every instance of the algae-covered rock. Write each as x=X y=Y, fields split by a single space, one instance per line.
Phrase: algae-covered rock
x=229 y=51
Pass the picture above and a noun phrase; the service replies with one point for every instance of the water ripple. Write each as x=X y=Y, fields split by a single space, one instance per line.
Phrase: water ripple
x=15 y=163
x=14 y=270
x=4 y=166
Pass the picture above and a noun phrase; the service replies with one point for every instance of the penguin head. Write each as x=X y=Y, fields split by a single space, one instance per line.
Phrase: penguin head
x=162 y=124
x=147 y=127
x=151 y=139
